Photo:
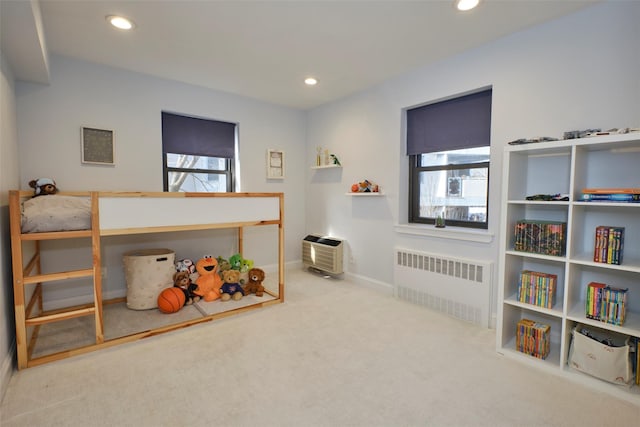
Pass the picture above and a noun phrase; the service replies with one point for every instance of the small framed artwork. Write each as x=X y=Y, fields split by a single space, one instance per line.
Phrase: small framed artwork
x=275 y=164
x=454 y=186
x=97 y=146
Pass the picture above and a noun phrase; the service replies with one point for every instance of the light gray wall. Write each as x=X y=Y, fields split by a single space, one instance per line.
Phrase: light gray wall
x=9 y=178
x=577 y=72
x=86 y=94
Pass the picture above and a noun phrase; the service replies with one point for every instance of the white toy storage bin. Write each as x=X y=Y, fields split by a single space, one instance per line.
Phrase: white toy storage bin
x=147 y=272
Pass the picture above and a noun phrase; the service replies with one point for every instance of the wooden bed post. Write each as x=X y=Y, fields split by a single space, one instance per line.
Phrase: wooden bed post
x=18 y=279
x=97 y=270
x=281 y=250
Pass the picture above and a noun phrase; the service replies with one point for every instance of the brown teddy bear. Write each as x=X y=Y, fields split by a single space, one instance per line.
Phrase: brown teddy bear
x=254 y=285
x=43 y=186
x=231 y=288
x=182 y=280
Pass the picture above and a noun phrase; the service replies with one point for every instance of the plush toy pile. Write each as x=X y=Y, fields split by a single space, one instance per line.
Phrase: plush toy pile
x=365 y=186
x=210 y=279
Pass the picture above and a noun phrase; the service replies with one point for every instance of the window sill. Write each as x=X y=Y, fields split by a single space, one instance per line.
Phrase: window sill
x=454 y=233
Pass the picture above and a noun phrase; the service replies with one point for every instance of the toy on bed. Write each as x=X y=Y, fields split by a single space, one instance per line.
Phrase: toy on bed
x=182 y=280
x=43 y=186
x=208 y=281
x=254 y=285
x=231 y=288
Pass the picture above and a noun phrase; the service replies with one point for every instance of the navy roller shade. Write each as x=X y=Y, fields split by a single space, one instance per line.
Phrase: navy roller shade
x=198 y=137
x=454 y=124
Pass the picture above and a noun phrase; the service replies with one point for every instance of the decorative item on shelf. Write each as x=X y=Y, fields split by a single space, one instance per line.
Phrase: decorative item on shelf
x=609 y=244
x=318 y=156
x=533 y=338
x=440 y=221
x=365 y=186
x=549 y=197
x=334 y=160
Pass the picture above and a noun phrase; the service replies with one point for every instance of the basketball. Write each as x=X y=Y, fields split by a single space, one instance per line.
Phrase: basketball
x=171 y=300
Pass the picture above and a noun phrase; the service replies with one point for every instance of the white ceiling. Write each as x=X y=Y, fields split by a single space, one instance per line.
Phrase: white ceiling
x=264 y=49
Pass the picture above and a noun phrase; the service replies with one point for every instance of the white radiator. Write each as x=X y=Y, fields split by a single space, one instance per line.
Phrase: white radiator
x=458 y=287
x=323 y=253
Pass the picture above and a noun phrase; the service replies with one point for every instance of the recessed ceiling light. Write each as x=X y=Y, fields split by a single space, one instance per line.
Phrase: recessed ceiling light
x=310 y=81
x=464 y=5
x=120 y=22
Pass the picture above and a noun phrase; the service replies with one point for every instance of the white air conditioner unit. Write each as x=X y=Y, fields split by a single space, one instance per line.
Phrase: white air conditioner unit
x=322 y=253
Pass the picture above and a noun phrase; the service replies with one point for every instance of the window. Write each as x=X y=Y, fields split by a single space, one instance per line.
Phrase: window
x=197 y=154
x=448 y=144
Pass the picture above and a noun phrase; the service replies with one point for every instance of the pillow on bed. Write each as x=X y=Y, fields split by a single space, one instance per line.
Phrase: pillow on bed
x=56 y=213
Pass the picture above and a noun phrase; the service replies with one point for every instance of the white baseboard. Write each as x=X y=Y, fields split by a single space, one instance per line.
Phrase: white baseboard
x=6 y=370
x=370 y=283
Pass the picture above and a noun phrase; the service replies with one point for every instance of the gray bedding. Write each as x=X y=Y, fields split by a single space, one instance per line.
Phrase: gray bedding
x=56 y=213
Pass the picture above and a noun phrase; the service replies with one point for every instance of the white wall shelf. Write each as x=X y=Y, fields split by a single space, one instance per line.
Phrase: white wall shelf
x=567 y=167
x=372 y=194
x=326 y=167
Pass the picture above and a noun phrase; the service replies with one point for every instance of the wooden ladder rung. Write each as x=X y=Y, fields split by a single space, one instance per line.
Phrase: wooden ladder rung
x=56 y=235
x=63 y=315
x=49 y=277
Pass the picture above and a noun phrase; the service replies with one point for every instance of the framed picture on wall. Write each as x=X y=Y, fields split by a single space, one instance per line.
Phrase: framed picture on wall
x=275 y=164
x=97 y=146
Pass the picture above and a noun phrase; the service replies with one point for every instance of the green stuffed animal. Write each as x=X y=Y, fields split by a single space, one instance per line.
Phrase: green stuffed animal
x=235 y=261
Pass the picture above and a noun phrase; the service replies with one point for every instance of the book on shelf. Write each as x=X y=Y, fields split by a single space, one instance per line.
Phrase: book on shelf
x=606 y=303
x=608 y=244
x=543 y=237
x=533 y=338
x=537 y=288
x=611 y=197
x=613 y=190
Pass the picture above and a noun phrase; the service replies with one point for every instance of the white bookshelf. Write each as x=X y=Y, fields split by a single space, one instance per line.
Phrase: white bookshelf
x=567 y=167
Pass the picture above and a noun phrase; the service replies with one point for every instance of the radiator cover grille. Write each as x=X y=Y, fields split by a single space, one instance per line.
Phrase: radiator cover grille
x=458 y=287
x=323 y=253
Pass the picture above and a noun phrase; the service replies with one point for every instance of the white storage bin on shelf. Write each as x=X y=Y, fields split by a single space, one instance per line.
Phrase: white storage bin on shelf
x=603 y=354
x=147 y=272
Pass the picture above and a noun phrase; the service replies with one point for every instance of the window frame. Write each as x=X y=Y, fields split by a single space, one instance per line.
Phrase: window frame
x=229 y=171
x=415 y=168
x=447 y=125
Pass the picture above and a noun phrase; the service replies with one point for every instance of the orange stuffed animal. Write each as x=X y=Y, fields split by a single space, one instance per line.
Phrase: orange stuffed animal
x=208 y=281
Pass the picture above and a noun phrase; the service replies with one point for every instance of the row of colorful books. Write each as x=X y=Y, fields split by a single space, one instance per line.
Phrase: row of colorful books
x=533 y=338
x=537 y=288
x=609 y=244
x=612 y=195
x=543 y=237
x=606 y=303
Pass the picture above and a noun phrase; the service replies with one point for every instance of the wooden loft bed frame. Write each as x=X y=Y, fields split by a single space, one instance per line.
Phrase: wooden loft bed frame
x=155 y=213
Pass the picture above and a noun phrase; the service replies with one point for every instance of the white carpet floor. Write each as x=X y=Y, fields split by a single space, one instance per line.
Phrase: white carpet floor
x=334 y=354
